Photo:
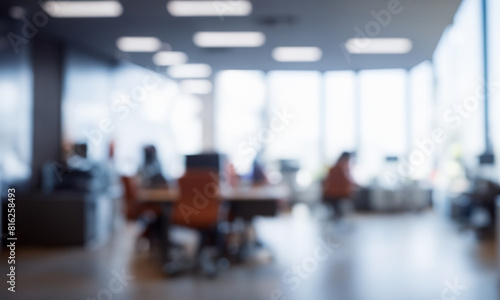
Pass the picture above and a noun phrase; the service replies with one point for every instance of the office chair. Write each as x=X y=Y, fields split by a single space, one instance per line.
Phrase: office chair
x=146 y=215
x=199 y=208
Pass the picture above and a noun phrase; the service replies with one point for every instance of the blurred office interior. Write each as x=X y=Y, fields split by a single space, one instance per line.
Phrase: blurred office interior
x=193 y=145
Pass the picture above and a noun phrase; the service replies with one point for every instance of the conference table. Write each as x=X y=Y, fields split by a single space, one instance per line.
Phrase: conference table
x=245 y=202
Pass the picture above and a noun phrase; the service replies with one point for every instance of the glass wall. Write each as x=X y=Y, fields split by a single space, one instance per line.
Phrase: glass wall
x=241 y=115
x=131 y=107
x=494 y=71
x=312 y=117
x=149 y=109
x=86 y=91
x=297 y=95
x=340 y=113
x=16 y=114
x=422 y=118
x=466 y=32
x=458 y=63
x=383 y=115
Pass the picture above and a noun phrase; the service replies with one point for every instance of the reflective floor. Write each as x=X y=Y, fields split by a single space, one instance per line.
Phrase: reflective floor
x=367 y=257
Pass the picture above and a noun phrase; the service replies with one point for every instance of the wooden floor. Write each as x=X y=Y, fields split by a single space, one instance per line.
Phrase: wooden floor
x=369 y=257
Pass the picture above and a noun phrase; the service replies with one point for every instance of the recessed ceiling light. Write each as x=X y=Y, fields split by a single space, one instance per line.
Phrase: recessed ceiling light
x=209 y=8
x=196 y=86
x=138 y=44
x=229 y=39
x=168 y=58
x=190 y=71
x=83 y=9
x=297 y=54
x=378 y=45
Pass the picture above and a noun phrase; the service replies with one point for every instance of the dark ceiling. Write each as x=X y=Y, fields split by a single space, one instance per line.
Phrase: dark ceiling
x=322 y=23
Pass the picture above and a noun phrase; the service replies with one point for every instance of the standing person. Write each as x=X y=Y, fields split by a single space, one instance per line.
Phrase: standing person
x=339 y=185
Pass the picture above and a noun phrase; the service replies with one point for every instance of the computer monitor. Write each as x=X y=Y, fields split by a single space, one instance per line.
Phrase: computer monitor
x=212 y=161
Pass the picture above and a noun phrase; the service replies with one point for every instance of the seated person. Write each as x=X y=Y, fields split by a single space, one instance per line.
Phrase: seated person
x=151 y=173
x=258 y=176
x=339 y=185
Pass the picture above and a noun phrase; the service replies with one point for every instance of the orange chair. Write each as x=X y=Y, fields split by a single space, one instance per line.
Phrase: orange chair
x=134 y=209
x=130 y=197
x=199 y=208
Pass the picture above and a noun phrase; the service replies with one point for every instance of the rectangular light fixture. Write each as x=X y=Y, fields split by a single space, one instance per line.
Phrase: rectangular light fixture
x=378 y=45
x=209 y=8
x=196 y=86
x=83 y=9
x=190 y=71
x=138 y=44
x=168 y=58
x=223 y=39
x=297 y=54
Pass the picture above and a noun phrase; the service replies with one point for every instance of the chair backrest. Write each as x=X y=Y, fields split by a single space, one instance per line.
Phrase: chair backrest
x=130 y=195
x=337 y=184
x=199 y=200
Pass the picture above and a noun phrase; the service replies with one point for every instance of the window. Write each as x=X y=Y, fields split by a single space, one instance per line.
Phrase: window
x=298 y=94
x=458 y=62
x=149 y=109
x=340 y=114
x=383 y=115
x=16 y=106
x=241 y=115
x=421 y=97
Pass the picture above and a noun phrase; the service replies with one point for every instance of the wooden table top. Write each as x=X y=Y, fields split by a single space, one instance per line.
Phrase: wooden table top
x=259 y=193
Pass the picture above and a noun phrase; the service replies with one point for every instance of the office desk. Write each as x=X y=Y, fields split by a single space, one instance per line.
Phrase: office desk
x=254 y=194
x=244 y=202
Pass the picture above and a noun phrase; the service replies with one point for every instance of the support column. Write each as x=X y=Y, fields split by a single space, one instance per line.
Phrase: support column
x=208 y=117
x=409 y=119
x=47 y=93
x=322 y=119
x=357 y=109
x=487 y=157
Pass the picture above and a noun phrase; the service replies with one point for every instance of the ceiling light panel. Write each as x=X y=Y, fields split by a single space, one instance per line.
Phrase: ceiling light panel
x=83 y=9
x=138 y=44
x=190 y=71
x=209 y=8
x=379 y=45
x=297 y=54
x=169 y=58
x=224 y=39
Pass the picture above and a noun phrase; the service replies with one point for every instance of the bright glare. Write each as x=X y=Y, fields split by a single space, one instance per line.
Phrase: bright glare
x=194 y=86
x=378 y=45
x=83 y=9
x=297 y=54
x=209 y=8
x=229 y=39
x=138 y=44
x=168 y=58
x=190 y=71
